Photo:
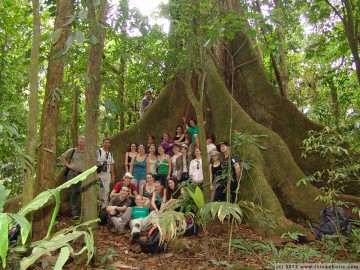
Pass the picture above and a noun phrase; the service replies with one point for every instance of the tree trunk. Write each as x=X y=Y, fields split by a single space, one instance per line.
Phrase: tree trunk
x=50 y=117
x=31 y=130
x=75 y=112
x=89 y=198
x=257 y=96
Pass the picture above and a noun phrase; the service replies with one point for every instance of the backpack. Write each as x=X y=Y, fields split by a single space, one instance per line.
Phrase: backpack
x=152 y=243
x=191 y=227
x=333 y=220
x=103 y=216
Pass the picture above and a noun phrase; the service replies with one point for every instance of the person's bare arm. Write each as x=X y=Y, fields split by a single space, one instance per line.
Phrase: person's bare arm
x=126 y=162
x=153 y=199
x=68 y=165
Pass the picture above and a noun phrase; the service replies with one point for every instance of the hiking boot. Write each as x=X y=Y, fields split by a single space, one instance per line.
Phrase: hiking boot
x=135 y=237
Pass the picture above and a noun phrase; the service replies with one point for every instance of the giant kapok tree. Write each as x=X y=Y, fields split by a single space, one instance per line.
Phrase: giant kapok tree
x=224 y=82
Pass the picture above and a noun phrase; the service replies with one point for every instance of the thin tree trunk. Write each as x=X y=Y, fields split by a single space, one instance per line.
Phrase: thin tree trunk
x=31 y=130
x=335 y=103
x=282 y=52
x=75 y=112
x=89 y=198
x=50 y=117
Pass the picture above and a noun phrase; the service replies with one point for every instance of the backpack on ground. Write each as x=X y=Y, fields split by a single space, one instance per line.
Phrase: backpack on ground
x=152 y=242
x=334 y=220
x=191 y=227
x=103 y=216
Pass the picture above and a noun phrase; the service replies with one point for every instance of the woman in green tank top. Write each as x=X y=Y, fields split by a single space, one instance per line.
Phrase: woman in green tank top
x=163 y=166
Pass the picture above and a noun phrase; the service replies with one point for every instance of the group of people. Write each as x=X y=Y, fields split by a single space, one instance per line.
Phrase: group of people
x=153 y=174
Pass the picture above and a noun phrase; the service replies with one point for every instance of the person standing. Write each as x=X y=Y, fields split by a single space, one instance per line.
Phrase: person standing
x=182 y=164
x=146 y=102
x=138 y=167
x=105 y=163
x=230 y=163
x=74 y=159
x=196 y=169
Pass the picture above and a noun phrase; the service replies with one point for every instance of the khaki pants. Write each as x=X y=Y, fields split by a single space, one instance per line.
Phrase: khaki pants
x=118 y=223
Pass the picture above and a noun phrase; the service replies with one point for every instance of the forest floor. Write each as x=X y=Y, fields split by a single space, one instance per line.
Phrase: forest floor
x=117 y=252
x=250 y=251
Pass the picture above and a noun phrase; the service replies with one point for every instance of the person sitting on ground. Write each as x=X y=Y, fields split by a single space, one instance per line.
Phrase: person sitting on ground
x=180 y=135
x=210 y=146
x=129 y=156
x=166 y=144
x=126 y=182
x=147 y=190
x=173 y=191
x=119 y=211
x=151 y=161
x=182 y=164
x=159 y=196
x=195 y=169
x=139 y=218
x=138 y=167
x=146 y=102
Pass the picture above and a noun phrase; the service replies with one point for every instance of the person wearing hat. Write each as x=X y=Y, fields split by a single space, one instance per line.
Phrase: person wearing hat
x=146 y=102
x=182 y=164
x=126 y=182
x=230 y=163
x=217 y=181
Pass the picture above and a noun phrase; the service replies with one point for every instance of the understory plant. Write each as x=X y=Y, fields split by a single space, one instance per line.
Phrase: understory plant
x=29 y=252
x=343 y=170
x=172 y=223
x=270 y=254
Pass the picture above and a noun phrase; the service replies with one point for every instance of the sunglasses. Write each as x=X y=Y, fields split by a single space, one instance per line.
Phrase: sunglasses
x=198 y=165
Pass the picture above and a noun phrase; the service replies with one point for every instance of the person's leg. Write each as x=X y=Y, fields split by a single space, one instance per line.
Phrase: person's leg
x=233 y=188
x=197 y=140
x=75 y=195
x=135 y=182
x=106 y=177
x=141 y=182
x=120 y=222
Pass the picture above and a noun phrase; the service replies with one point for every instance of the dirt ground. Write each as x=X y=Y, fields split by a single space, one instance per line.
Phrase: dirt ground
x=117 y=252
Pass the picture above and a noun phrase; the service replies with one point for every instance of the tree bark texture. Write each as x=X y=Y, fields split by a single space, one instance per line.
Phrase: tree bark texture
x=257 y=96
x=95 y=52
x=50 y=117
x=31 y=129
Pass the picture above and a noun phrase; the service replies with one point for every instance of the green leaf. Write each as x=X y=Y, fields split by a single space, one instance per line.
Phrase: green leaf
x=56 y=194
x=3 y=196
x=4 y=241
x=63 y=257
x=24 y=224
x=83 y=14
x=55 y=36
x=79 y=37
x=246 y=166
x=94 y=40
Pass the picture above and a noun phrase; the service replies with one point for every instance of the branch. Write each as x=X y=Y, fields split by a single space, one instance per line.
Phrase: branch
x=336 y=11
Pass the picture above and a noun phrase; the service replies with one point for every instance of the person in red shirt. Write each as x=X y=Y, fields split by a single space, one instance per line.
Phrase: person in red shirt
x=126 y=182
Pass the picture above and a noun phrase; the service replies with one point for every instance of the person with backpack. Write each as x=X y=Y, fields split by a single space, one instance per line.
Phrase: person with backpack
x=74 y=160
x=105 y=163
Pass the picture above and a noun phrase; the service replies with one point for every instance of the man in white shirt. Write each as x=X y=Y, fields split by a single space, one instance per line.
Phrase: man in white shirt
x=105 y=162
